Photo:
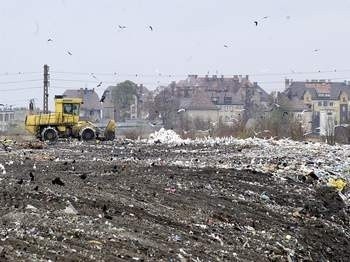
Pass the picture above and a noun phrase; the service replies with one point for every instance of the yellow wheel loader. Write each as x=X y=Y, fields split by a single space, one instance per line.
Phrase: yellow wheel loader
x=65 y=122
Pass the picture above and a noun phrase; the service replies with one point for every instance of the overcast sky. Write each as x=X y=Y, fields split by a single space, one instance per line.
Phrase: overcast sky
x=188 y=37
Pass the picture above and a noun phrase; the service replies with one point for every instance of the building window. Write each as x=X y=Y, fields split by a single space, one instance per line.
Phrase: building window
x=215 y=100
x=344 y=99
x=319 y=103
x=227 y=100
x=331 y=104
x=325 y=103
x=6 y=117
x=186 y=93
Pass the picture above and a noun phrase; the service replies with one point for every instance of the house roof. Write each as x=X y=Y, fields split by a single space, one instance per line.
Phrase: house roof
x=319 y=90
x=291 y=104
x=90 y=98
x=222 y=87
x=199 y=101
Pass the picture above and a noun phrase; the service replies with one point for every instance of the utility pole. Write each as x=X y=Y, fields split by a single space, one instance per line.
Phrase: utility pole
x=46 y=89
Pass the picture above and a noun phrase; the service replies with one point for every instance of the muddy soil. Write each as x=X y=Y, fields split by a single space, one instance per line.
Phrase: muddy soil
x=126 y=201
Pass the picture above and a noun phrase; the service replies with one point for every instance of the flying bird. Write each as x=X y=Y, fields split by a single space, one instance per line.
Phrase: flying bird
x=316 y=50
x=121 y=26
x=150 y=27
x=256 y=23
x=226 y=46
x=69 y=53
x=49 y=40
x=99 y=84
x=104 y=96
x=181 y=110
x=265 y=17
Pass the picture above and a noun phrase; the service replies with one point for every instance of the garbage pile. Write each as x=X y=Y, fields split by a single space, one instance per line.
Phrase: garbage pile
x=164 y=136
x=175 y=200
x=285 y=157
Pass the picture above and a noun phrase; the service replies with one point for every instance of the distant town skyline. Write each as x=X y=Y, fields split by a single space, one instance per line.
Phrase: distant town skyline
x=155 y=42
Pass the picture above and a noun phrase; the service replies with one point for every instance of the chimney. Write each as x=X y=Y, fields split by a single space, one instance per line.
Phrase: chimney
x=287 y=82
x=247 y=77
x=255 y=84
x=215 y=77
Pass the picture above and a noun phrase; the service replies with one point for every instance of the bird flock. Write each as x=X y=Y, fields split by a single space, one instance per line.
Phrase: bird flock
x=69 y=53
x=122 y=27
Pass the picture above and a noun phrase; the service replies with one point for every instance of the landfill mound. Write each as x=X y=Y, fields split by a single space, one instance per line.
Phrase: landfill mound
x=196 y=201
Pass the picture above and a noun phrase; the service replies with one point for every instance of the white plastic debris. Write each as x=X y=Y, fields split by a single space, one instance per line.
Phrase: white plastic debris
x=70 y=210
x=165 y=137
x=30 y=207
x=283 y=157
x=3 y=169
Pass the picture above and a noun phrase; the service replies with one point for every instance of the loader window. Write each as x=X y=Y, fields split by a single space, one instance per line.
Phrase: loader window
x=72 y=109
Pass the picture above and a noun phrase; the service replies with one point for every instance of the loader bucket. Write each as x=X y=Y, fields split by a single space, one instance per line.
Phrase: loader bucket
x=109 y=133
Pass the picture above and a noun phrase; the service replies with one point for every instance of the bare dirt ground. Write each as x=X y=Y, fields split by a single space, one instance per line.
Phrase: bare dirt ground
x=116 y=201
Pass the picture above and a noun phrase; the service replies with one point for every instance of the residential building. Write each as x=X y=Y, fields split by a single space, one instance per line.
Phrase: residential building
x=236 y=97
x=7 y=116
x=328 y=101
x=91 y=108
x=199 y=106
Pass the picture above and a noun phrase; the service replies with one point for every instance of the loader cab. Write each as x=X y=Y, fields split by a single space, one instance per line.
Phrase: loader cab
x=68 y=108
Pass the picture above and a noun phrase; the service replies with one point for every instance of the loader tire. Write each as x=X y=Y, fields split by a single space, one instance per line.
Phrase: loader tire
x=87 y=134
x=49 y=134
x=110 y=136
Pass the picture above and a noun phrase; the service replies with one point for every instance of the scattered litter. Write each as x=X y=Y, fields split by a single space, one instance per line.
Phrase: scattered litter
x=338 y=183
x=58 y=181
x=3 y=170
x=70 y=210
x=217 y=238
x=30 y=207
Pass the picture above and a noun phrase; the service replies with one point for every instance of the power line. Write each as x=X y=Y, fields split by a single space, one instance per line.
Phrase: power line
x=19 y=73
x=185 y=75
x=19 y=81
x=16 y=89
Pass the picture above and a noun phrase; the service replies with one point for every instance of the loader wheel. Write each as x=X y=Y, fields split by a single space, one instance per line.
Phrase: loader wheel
x=110 y=136
x=49 y=134
x=87 y=134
